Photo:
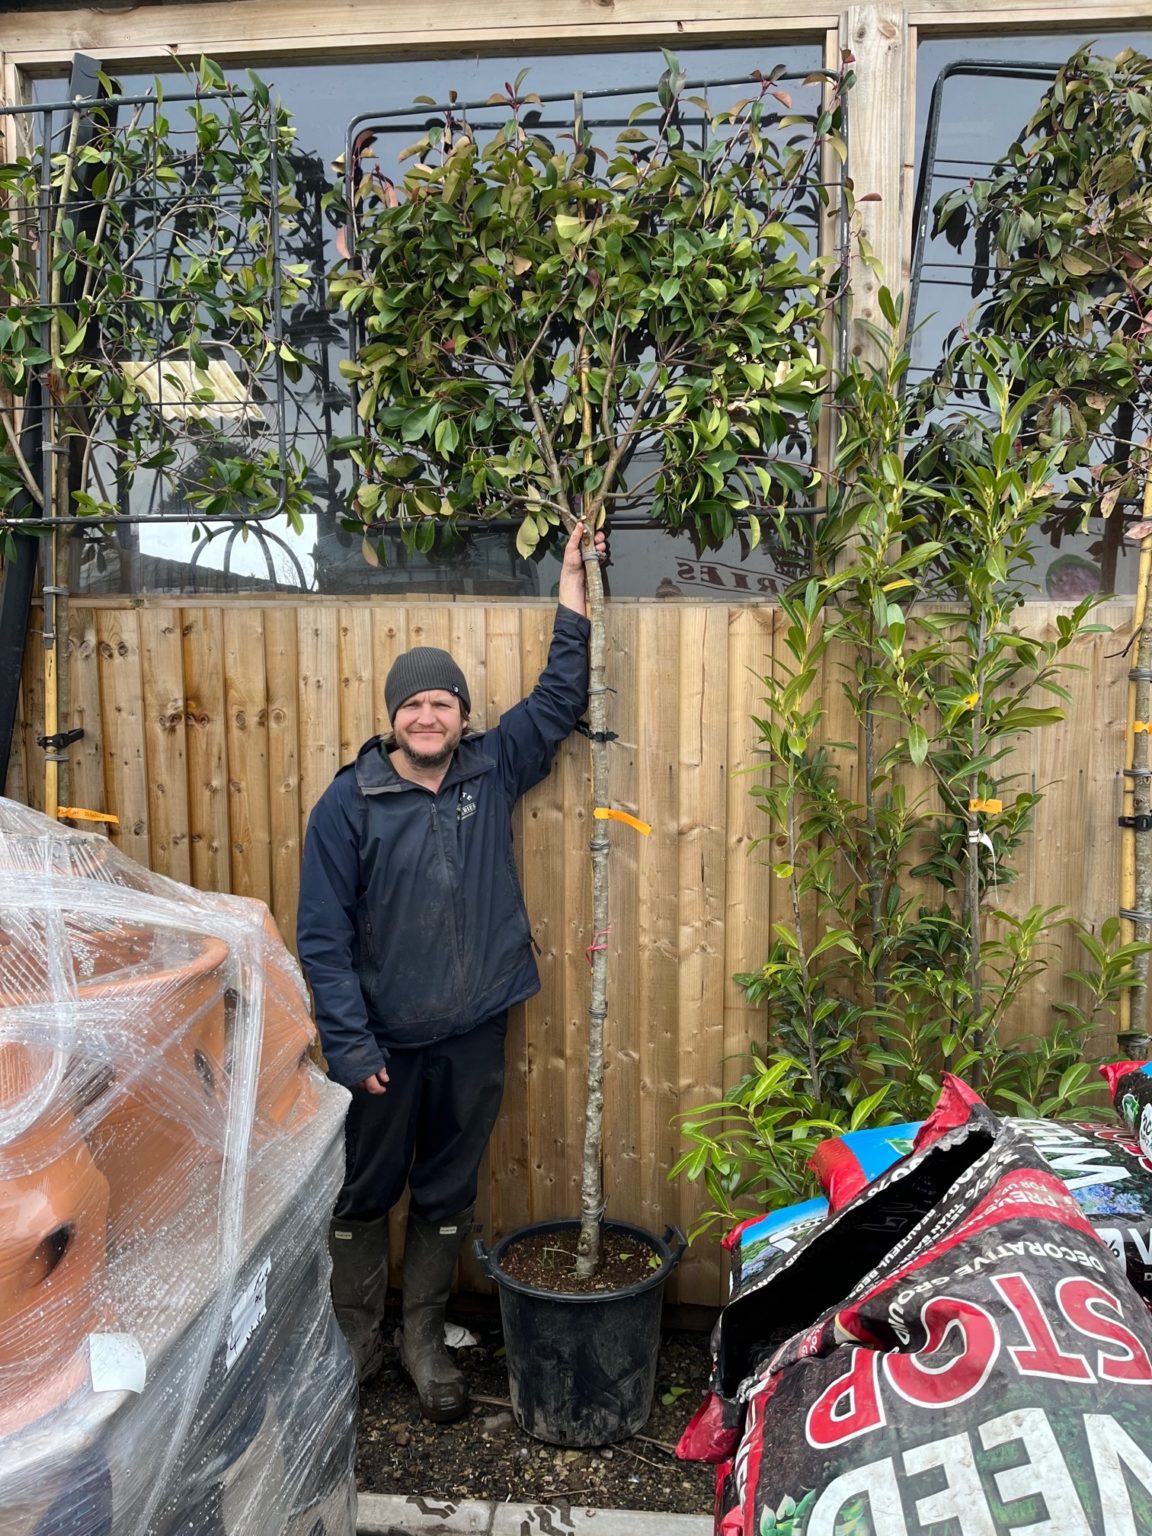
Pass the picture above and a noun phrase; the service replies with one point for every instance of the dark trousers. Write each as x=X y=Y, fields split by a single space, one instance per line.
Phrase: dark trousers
x=429 y=1129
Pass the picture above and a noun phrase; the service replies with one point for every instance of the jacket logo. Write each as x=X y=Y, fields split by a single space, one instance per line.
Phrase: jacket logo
x=465 y=806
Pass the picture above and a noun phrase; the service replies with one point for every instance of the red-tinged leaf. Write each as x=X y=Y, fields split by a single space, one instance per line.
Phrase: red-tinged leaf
x=342 y=242
x=784 y=98
x=870 y=197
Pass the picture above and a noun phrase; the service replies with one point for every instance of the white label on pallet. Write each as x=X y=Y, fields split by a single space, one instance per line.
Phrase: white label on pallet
x=117 y=1362
x=248 y=1313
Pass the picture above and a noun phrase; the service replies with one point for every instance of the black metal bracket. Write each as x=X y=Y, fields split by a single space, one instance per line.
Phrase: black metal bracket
x=61 y=739
x=586 y=730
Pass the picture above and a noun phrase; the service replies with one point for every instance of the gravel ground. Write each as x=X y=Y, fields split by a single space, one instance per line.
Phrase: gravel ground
x=485 y=1456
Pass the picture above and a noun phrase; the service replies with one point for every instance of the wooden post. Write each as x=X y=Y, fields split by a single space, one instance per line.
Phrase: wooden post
x=879 y=159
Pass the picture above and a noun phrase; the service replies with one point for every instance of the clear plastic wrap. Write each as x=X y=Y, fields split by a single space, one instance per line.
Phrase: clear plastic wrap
x=169 y=1157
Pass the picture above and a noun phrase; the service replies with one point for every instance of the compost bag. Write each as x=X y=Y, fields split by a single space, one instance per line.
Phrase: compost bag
x=1101 y=1165
x=954 y=1352
x=758 y=1242
x=1130 y=1083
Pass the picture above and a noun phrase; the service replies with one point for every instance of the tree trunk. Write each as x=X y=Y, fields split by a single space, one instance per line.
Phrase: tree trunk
x=592 y=1175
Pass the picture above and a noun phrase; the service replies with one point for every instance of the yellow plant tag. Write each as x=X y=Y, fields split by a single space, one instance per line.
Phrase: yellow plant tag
x=991 y=806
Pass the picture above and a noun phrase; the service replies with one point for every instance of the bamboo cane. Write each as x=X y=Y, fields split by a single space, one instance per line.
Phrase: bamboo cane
x=1136 y=851
x=55 y=481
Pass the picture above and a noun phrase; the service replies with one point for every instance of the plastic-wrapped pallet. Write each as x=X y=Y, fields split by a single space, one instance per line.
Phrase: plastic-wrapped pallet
x=169 y=1156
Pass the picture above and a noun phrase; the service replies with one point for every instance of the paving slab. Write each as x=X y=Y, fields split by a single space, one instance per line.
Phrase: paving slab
x=379 y=1514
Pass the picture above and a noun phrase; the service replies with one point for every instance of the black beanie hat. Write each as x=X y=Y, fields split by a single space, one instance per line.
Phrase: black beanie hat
x=420 y=669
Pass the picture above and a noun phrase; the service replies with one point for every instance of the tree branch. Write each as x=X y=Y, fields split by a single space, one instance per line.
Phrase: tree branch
x=548 y=451
x=26 y=474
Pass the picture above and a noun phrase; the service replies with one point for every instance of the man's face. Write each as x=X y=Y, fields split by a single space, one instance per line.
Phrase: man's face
x=428 y=727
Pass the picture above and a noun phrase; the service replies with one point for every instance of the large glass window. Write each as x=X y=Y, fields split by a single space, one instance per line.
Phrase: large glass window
x=985 y=90
x=323 y=100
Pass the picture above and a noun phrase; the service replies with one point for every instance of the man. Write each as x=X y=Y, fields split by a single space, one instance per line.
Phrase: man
x=415 y=940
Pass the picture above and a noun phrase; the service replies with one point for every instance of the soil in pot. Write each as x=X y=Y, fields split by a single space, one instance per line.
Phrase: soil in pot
x=547 y=1260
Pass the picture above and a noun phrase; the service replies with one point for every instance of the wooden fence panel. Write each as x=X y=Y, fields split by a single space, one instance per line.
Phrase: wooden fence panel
x=162 y=676
x=211 y=730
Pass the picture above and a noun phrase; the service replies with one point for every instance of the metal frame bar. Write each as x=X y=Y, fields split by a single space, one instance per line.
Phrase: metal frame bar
x=45 y=111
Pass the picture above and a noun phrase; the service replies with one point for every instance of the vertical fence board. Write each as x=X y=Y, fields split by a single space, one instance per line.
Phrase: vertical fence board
x=389 y=638
x=655 y=896
x=121 y=694
x=281 y=672
x=87 y=786
x=206 y=746
x=246 y=732
x=318 y=641
x=162 y=670
x=706 y=962
x=467 y=643
x=357 y=682
x=748 y=892
x=629 y=1089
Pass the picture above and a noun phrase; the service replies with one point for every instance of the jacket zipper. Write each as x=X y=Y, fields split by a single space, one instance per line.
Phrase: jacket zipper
x=454 y=886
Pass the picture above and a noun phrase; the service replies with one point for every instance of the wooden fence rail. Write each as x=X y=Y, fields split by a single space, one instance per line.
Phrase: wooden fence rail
x=211 y=728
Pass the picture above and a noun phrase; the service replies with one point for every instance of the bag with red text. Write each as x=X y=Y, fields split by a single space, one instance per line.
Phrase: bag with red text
x=753 y=1247
x=954 y=1351
x=1130 y=1083
x=1101 y=1165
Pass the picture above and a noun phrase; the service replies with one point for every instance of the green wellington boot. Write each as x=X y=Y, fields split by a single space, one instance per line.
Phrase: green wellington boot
x=359 y=1252
x=430 y=1252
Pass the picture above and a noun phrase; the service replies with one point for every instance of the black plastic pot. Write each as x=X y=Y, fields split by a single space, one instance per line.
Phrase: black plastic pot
x=582 y=1368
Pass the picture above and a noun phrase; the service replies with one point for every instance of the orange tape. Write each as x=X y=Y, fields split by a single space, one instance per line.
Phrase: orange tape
x=75 y=813
x=602 y=813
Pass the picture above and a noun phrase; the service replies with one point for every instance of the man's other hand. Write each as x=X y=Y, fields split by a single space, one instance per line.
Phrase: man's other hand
x=376 y=1083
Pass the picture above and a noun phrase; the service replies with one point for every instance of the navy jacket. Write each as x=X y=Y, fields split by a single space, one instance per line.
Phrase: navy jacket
x=411 y=925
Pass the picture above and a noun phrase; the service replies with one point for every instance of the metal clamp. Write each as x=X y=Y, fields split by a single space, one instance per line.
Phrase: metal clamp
x=61 y=739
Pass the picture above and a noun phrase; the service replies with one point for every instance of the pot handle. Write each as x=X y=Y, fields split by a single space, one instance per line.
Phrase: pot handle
x=678 y=1248
x=484 y=1256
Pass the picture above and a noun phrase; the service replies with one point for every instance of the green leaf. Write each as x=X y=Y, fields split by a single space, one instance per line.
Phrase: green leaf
x=527 y=537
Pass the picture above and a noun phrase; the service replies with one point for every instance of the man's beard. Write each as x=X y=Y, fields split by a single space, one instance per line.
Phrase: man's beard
x=435 y=759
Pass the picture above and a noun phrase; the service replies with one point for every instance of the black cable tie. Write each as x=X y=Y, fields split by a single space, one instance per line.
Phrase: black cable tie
x=61 y=739
x=1140 y=675
x=1138 y=773
x=602 y=1013
x=586 y=730
x=1141 y=822
x=600 y=688
x=1133 y=915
